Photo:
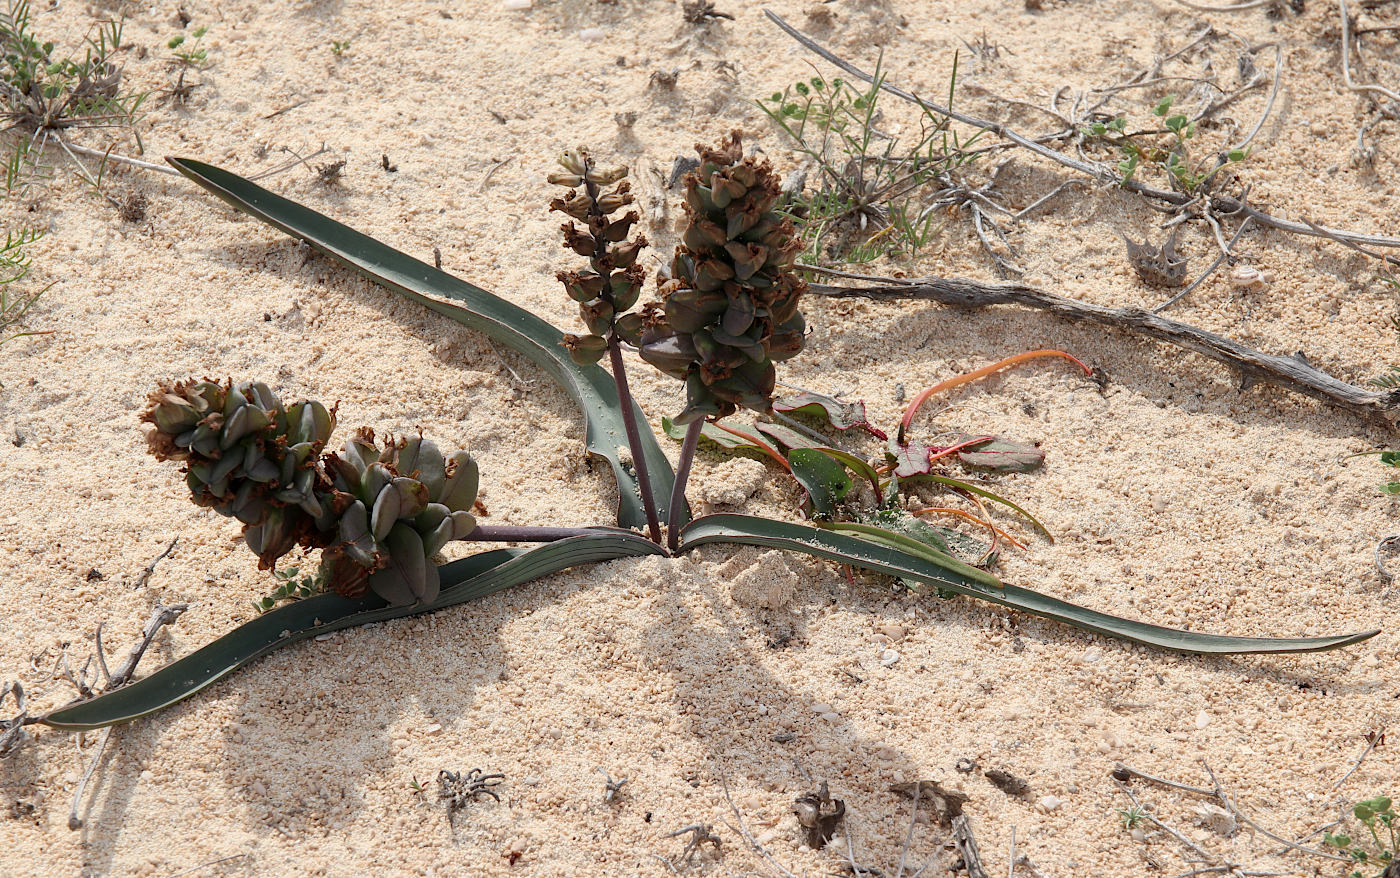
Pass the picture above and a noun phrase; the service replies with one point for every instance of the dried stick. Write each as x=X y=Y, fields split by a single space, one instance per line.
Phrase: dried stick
x=967 y=847
x=160 y=617
x=1220 y=204
x=151 y=567
x=743 y=830
x=1293 y=373
x=1360 y=88
x=1229 y=805
x=1374 y=737
x=74 y=821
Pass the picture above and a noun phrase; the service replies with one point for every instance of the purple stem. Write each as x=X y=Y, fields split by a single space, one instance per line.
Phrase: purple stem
x=509 y=533
x=634 y=438
x=673 y=527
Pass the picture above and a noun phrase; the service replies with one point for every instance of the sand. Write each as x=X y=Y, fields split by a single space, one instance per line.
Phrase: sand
x=1175 y=497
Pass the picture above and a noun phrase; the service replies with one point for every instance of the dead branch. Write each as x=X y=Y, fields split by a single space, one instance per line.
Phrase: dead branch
x=1293 y=373
x=160 y=617
x=151 y=567
x=967 y=847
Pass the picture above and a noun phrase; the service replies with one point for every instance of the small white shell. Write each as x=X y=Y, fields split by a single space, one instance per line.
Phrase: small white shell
x=1251 y=279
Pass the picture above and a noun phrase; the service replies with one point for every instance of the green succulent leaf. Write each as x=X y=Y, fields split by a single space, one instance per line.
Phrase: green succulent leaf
x=465 y=580
x=589 y=386
x=824 y=480
x=847 y=549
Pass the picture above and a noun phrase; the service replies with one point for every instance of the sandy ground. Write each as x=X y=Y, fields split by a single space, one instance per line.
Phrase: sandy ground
x=1175 y=497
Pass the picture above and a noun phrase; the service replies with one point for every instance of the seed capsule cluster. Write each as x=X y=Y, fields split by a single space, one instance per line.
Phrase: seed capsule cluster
x=609 y=288
x=379 y=513
x=730 y=307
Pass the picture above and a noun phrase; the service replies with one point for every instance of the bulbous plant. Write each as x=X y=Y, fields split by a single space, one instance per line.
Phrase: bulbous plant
x=379 y=514
x=379 y=511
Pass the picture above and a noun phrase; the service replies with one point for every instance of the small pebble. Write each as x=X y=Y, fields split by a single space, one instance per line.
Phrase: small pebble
x=1050 y=803
x=889 y=657
x=893 y=631
x=1092 y=655
x=831 y=716
x=821 y=708
x=514 y=5
x=433 y=729
x=1202 y=720
x=591 y=34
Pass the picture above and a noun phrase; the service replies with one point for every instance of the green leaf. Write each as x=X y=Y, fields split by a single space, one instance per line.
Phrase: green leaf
x=838 y=413
x=465 y=580
x=824 y=479
x=945 y=539
x=787 y=436
x=915 y=547
x=723 y=438
x=1164 y=105
x=1000 y=455
x=750 y=530
x=589 y=386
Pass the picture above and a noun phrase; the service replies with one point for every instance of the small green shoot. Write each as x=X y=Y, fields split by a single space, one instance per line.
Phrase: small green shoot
x=1131 y=817
x=191 y=55
x=15 y=264
x=871 y=197
x=339 y=47
x=44 y=93
x=292 y=587
x=1173 y=160
x=1379 y=819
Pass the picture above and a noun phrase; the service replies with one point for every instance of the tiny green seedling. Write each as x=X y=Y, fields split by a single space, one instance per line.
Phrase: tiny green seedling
x=339 y=47
x=1131 y=817
x=1174 y=159
x=190 y=53
x=1379 y=818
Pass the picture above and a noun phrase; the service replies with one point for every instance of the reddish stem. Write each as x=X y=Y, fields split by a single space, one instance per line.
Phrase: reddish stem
x=763 y=446
x=974 y=375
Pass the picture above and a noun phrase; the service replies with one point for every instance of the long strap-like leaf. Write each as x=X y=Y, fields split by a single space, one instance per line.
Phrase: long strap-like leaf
x=512 y=326
x=754 y=531
x=464 y=580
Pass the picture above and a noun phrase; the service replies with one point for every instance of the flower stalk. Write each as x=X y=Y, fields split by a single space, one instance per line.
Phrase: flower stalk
x=608 y=289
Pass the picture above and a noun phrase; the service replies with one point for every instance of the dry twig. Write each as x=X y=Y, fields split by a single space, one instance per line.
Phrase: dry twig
x=1293 y=373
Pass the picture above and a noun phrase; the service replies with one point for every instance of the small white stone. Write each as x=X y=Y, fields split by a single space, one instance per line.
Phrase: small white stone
x=1050 y=803
x=831 y=716
x=889 y=657
x=1202 y=720
x=514 y=5
x=433 y=729
x=591 y=34
x=893 y=631
x=821 y=708
x=1092 y=655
